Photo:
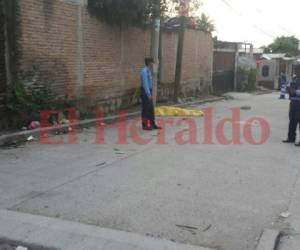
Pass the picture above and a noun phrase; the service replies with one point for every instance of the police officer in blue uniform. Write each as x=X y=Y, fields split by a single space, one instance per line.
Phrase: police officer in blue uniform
x=294 y=114
x=148 y=115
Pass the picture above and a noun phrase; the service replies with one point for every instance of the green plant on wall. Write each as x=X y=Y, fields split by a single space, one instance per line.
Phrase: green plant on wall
x=205 y=24
x=252 y=79
x=23 y=104
x=130 y=12
x=247 y=79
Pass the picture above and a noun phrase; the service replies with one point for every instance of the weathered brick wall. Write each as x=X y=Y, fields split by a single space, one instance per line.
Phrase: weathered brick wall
x=168 y=58
x=2 y=50
x=113 y=58
x=169 y=43
x=197 y=62
x=79 y=57
x=48 y=40
x=2 y=64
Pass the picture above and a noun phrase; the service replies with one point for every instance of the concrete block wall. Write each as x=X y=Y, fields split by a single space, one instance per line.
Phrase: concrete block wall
x=80 y=58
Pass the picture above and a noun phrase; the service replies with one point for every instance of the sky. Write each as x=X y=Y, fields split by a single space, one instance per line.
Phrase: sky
x=256 y=21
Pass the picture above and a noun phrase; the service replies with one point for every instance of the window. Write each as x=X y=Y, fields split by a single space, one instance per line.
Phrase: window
x=265 y=71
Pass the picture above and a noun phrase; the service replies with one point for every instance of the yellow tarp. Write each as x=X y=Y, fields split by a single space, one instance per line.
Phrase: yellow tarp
x=173 y=111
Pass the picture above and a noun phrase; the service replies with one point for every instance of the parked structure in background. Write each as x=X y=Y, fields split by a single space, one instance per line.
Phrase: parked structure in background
x=256 y=52
x=225 y=66
x=271 y=67
x=96 y=65
x=234 y=62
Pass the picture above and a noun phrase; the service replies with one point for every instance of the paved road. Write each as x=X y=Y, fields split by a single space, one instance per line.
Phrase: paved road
x=226 y=195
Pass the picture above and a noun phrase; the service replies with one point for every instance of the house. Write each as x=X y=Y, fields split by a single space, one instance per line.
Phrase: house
x=229 y=57
x=271 y=66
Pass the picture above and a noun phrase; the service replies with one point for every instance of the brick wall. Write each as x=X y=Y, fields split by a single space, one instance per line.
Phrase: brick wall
x=2 y=63
x=79 y=57
x=197 y=62
x=2 y=50
x=113 y=58
x=48 y=41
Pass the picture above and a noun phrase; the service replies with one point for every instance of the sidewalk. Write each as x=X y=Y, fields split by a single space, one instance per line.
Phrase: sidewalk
x=291 y=232
x=65 y=235
x=21 y=137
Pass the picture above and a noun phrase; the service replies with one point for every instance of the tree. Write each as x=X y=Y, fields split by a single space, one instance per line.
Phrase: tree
x=284 y=44
x=130 y=12
x=205 y=24
x=172 y=7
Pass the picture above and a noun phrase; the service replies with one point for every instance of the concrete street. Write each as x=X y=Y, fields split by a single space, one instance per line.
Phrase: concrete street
x=216 y=196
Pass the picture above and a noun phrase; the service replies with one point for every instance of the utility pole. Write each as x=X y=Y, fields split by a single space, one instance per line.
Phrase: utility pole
x=183 y=12
x=179 y=58
x=236 y=65
x=155 y=55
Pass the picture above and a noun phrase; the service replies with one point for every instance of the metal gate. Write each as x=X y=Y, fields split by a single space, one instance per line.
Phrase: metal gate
x=223 y=75
x=223 y=81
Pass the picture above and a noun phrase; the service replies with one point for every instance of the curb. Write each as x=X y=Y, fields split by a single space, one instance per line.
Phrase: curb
x=266 y=92
x=269 y=240
x=65 y=235
x=21 y=137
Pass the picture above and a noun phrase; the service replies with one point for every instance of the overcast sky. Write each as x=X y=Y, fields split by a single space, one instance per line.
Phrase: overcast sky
x=255 y=21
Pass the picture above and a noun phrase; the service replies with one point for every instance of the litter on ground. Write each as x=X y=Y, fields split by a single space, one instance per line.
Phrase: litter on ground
x=30 y=138
x=118 y=151
x=21 y=248
x=285 y=215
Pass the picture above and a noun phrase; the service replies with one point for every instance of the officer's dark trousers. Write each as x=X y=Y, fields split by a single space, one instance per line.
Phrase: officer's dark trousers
x=294 y=120
x=293 y=129
x=148 y=117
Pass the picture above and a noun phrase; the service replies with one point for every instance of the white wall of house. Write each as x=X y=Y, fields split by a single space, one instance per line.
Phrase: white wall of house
x=272 y=74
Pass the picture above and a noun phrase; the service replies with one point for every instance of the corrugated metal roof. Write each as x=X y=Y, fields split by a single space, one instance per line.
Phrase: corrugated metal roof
x=274 y=56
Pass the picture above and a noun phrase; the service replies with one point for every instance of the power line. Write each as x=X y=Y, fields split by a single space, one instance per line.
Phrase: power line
x=263 y=31
x=255 y=26
x=260 y=12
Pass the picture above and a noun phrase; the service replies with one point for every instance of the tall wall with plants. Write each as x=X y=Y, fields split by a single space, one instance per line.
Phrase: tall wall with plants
x=81 y=58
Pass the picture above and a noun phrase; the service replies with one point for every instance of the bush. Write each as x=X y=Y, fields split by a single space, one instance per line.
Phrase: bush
x=130 y=12
x=23 y=104
x=246 y=79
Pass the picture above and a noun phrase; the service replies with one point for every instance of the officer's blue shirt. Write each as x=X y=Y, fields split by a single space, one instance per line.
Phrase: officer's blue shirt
x=146 y=81
x=295 y=84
